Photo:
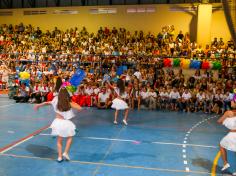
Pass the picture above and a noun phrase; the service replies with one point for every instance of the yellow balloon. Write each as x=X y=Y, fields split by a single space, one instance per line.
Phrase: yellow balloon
x=24 y=75
x=185 y=63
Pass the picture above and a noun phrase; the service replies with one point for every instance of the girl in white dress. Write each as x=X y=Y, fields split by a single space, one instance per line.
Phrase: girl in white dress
x=118 y=103
x=229 y=141
x=62 y=127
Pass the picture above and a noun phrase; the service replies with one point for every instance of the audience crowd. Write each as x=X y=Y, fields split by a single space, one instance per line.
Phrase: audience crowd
x=112 y=54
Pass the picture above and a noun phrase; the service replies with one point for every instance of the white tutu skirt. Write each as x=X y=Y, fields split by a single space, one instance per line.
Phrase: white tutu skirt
x=230 y=123
x=63 y=128
x=119 y=104
x=229 y=142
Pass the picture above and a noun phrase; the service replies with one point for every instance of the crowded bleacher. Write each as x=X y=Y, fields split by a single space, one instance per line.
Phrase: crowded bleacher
x=112 y=54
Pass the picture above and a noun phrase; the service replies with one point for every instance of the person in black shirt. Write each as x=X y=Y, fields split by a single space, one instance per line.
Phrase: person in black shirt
x=180 y=36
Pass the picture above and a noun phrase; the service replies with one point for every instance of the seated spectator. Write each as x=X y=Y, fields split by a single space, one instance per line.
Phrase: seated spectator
x=95 y=93
x=104 y=99
x=200 y=101
x=143 y=99
x=44 y=92
x=12 y=88
x=35 y=96
x=227 y=98
x=23 y=94
x=218 y=102
x=185 y=100
x=88 y=94
x=163 y=98
x=152 y=98
x=208 y=101
x=175 y=98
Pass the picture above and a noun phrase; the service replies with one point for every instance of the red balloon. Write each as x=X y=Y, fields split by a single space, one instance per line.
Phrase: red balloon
x=205 y=65
x=167 y=62
x=50 y=96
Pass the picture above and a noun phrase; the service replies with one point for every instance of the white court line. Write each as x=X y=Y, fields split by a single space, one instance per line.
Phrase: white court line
x=128 y=140
x=3 y=106
x=192 y=145
x=185 y=141
x=110 y=139
x=16 y=145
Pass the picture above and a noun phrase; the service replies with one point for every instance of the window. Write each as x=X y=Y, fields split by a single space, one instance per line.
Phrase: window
x=141 y=10
x=35 y=12
x=70 y=12
x=6 y=13
x=103 y=10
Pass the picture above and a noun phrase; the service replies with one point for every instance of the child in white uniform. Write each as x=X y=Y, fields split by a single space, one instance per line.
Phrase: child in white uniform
x=62 y=127
x=118 y=103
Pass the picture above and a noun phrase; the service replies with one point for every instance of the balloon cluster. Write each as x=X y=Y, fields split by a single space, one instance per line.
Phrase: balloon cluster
x=24 y=78
x=75 y=81
x=192 y=63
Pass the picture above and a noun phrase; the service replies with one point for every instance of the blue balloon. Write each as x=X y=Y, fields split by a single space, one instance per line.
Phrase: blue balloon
x=119 y=70
x=26 y=82
x=195 y=64
x=77 y=77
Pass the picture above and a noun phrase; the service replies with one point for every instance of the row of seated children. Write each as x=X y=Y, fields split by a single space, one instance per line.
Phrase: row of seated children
x=173 y=99
x=90 y=94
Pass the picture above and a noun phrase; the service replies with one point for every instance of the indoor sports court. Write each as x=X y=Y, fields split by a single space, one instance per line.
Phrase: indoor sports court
x=154 y=143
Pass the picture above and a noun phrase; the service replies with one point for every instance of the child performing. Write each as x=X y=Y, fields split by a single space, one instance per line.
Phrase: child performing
x=229 y=141
x=62 y=127
x=118 y=103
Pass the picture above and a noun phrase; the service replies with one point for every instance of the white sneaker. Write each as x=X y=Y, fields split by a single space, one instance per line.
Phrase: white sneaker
x=115 y=122
x=234 y=173
x=226 y=166
x=66 y=156
x=124 y=121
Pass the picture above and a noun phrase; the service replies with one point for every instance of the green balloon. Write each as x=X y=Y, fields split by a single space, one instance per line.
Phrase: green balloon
x=217 y=65
x=71 y=89
x=74 y=89
x=176 y=62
